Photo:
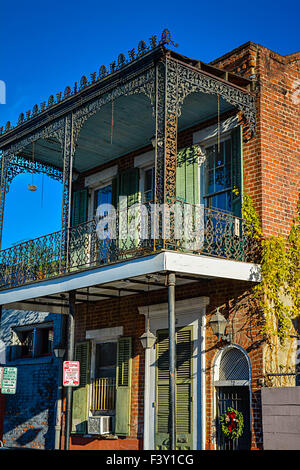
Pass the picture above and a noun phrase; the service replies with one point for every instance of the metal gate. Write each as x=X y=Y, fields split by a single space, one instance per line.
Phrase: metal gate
x=237 y=398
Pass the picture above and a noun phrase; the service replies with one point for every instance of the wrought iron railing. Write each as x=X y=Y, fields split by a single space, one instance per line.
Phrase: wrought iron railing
x=103 y=394
x=124 y=235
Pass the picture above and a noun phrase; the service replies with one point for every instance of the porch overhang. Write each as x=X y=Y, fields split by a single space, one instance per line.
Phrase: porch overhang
x=125 y=278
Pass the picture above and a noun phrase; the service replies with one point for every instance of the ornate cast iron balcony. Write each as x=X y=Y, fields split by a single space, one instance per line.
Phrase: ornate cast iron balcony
x=125 y=236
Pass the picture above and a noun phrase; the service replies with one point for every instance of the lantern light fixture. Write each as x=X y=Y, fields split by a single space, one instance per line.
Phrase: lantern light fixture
x=218 y=325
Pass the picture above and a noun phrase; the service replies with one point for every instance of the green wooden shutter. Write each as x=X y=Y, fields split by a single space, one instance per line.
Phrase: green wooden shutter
x=80 y=394
x=236 y=168
x=188 y=185
x=127 y=186
x=187 y=176
x=79 y=206
x=123 y=387
x=183 y=384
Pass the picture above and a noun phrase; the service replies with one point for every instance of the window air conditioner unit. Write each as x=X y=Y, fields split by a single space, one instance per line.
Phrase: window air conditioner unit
x=99 y=424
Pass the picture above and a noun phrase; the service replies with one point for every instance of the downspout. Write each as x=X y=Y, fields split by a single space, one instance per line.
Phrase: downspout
x=172 y=358
x=59 y=390
x=147 y=400
x=203 y=394
x=58 y=407
x=70 y=357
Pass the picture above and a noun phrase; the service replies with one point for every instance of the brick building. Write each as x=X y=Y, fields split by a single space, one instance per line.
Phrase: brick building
x=160 y=128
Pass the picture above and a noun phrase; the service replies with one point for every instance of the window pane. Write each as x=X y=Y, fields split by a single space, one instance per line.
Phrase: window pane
x=27 y=343
x=149 y=184
x=106 y=359
x=210 y=155
x=102 y=196
x=219 y=179
x=45 y=341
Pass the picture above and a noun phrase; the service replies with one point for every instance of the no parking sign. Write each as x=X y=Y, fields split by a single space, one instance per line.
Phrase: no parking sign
x=71 y=374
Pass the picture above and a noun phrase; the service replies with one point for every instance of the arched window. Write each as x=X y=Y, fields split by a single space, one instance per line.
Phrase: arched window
x=232 y=367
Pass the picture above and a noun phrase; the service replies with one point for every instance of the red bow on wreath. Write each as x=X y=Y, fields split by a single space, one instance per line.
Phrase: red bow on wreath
x=232 y=419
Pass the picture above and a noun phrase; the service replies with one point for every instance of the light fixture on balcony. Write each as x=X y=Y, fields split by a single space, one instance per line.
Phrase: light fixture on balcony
x=153 y=141
x=218 y=325
x=148 y=339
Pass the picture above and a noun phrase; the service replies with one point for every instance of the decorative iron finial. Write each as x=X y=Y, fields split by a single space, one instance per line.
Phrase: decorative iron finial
x=21 y=118
x=103 y=72
x=67 y=91
x=35 y=110
x=131 y=53
x=142 y=47
x=50 y=100
x=166 y=38
x=83 y=81
x=153 y=41
x=121 y=60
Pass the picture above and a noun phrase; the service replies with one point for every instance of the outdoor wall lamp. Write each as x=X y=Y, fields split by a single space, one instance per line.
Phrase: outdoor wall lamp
x=148 y=339
x=218 y=325
x=59 y=352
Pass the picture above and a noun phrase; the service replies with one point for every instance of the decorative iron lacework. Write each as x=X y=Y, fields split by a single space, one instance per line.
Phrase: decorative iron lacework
x=19 y=164
x=103 y=72
x=48 y=256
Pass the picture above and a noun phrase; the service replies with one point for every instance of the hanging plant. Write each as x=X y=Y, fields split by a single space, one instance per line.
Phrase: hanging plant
x=232 y=423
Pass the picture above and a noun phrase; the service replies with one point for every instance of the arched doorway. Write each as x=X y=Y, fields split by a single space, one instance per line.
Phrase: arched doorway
x=232 y=389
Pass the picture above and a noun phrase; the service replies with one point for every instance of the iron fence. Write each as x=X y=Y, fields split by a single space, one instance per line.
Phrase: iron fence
x=125 y=234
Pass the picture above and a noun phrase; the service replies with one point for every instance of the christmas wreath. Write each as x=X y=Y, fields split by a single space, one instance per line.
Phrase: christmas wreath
x=232 y=423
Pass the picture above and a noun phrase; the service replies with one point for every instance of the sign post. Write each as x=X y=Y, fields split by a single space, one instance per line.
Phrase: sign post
x=71 y=374
x=9 y=380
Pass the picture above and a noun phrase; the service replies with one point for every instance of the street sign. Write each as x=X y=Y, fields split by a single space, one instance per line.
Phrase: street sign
x=71 y=374
x=1 y=375
x=9 y=380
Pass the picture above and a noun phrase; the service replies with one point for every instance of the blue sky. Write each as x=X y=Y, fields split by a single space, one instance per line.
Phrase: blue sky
x=48 y=45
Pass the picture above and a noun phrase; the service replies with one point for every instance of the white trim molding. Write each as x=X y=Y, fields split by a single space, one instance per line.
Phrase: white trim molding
x=190 y=312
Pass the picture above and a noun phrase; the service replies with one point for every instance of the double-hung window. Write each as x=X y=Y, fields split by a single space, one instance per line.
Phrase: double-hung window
x=218 y=180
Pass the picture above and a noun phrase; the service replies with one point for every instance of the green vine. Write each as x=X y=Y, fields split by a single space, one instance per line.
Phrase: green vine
x=278 y=292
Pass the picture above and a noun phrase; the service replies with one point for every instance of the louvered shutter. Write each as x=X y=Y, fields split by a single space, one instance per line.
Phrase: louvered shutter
x=187 y=175
x=236 y=168
x=79 y=240
x=79 y=206
x=123 y=387
x=184 y=376
x=183 y=384
x=188 y=189
x=80 y=394
x=126 y=185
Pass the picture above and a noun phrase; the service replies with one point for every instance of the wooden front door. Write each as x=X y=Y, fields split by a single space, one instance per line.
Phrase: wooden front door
x=239 y=399
x=183 y=385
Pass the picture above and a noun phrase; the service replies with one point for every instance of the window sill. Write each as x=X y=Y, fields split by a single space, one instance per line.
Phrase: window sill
x=106 y=437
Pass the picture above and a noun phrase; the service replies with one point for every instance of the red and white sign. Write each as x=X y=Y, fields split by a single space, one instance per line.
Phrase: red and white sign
x=71 y=374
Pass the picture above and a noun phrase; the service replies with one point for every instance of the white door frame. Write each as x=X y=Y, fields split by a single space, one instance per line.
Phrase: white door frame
x=187 y=312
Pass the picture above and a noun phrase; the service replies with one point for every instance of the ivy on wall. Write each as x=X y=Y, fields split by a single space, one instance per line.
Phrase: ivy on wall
x=278 y=293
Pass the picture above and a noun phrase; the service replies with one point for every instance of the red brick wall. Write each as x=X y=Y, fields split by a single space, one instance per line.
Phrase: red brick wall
x=234 y=300
x=272 y=158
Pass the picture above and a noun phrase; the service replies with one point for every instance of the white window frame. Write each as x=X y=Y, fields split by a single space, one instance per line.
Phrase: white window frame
x=103 y=335
x=97 y=181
